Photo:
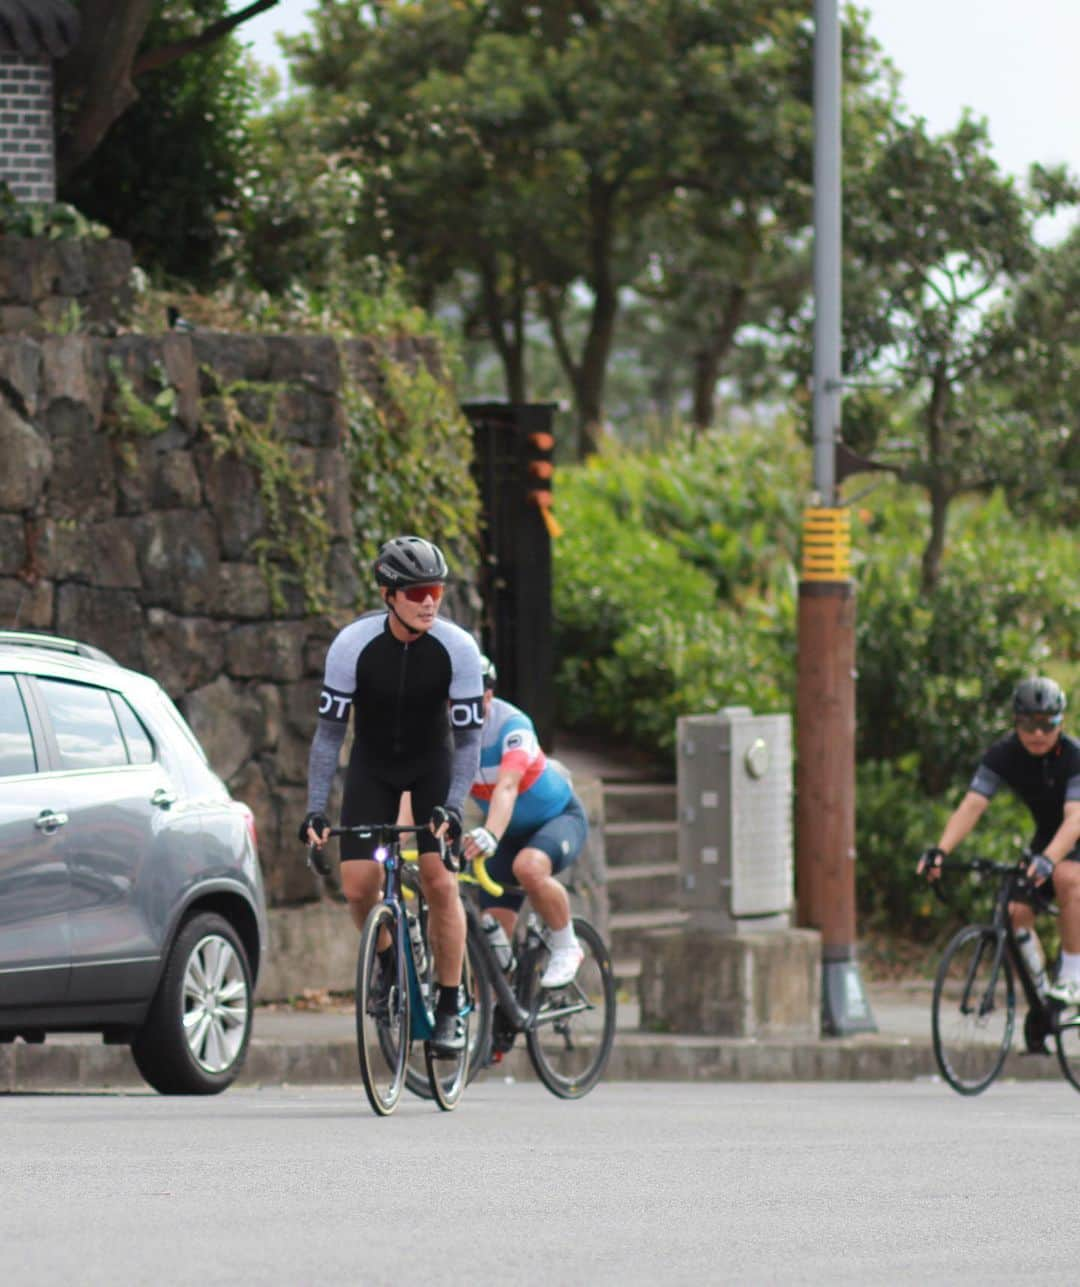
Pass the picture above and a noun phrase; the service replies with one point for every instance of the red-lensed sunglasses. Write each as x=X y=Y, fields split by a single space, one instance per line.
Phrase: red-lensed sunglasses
x=1038 y=723
x=418 y=593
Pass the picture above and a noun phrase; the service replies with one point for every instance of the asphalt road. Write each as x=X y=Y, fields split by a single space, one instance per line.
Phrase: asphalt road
x=639 y=1183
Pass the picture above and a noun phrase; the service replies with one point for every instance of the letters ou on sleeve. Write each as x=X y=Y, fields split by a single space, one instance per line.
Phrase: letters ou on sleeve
x=467 y=713
x=334 y=705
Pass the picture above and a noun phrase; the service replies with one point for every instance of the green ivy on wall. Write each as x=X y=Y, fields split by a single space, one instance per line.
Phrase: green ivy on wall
x=410 y=453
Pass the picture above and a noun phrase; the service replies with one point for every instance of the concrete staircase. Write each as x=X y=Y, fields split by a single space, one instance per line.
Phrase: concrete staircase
x=642 y=870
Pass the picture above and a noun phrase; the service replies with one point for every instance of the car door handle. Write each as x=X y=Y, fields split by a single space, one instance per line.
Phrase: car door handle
x=48 y=821
x=163 y=797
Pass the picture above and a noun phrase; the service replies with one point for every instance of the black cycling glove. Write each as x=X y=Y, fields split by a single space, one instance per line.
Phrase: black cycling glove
x=1041 y=867
x=452 y=817
x=318 y=822
x=930 y=858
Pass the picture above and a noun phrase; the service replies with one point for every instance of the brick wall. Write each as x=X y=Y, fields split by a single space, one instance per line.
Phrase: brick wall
x=27 y=158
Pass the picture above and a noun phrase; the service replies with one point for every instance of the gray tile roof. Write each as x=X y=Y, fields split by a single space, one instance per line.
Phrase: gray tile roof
x=37 y=27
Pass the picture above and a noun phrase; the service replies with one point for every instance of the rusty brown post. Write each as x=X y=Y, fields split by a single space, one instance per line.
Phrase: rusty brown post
x=825 y=725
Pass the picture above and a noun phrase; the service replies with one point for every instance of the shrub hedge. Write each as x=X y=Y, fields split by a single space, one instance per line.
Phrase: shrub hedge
x=676 y=592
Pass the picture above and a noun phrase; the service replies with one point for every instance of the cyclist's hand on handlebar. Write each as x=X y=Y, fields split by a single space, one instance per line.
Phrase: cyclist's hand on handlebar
x=1040 y=868
x=479 y=843
x=446 y=823
x=929 y=864
x=315 y=829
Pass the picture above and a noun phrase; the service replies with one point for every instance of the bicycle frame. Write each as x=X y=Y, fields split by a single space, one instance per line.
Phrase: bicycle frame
x=1013 y=882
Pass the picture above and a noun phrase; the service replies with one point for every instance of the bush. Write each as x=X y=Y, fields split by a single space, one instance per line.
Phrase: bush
x=895 y=820
x=674 y=587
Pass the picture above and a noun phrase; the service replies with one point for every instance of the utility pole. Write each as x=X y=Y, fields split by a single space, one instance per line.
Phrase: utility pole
x=825 y=700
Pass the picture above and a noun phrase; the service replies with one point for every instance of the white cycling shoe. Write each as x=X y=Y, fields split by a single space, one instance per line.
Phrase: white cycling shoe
x=1066 y=991
x=562 y=966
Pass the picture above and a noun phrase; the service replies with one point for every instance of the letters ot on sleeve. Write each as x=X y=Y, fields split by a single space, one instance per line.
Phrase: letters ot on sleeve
x=334 y=705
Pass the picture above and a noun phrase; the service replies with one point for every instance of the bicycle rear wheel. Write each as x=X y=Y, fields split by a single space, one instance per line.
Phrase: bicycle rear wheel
x=573 y=1028
x=382 y=1016
x=974 y=1009
x=1067 y=1040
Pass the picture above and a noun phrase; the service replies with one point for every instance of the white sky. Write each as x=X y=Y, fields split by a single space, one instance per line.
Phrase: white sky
x=1012 y=61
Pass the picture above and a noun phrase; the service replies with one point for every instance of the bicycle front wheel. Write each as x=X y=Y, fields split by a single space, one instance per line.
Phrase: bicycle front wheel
x=974 y=1009
x=1067 y=1039
x=573 y=1028
x=417 y=1078
x=382 y=1015
x=447 y=1078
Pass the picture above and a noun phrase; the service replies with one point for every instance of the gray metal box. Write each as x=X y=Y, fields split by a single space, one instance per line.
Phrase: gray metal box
x=736 y=865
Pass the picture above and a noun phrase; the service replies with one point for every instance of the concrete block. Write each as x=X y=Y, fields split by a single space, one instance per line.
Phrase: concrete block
x=764 y=984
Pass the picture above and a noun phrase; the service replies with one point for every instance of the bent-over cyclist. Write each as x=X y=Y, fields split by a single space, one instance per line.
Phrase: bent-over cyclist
x=1042 y=767
x=534 y=828
x=413 y=685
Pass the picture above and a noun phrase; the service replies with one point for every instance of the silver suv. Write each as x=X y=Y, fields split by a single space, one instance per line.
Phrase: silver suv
x=131 y=900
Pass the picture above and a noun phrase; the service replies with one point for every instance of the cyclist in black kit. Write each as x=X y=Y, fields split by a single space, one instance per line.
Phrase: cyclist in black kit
x=1042 y=766
x=415 y=687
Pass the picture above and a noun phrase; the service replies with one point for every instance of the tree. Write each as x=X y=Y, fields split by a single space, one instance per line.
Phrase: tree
x=940 y=249
x=171 y=166
x=534 y=147
x=96 y=82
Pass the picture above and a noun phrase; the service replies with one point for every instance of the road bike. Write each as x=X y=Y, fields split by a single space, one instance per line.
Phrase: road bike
x=974 y=1004
x=395 y=999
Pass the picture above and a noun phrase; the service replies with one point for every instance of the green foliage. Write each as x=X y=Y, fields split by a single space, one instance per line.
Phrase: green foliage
x=297 y=547
x=172 y=164
x=674 y=585
x=55 y=220
x=410 y=453
x=895 y=821
x=937 y=667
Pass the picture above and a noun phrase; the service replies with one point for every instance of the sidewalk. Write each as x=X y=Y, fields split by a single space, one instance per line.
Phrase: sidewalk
x=306 y=1047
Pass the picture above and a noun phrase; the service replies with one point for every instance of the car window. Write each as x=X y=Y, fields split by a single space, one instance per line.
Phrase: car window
x=140 y=747
x=87 y=734
x=16 y=744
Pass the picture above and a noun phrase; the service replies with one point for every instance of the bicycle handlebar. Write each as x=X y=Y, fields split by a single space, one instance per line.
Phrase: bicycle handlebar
x=383 y=831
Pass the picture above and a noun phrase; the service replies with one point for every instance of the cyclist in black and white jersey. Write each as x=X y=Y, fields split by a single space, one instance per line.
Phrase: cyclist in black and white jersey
x=413 y=685
x=1042 y=767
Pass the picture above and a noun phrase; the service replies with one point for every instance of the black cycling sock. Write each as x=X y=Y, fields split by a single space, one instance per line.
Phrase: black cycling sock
x=386 y=959
x=448 y=1000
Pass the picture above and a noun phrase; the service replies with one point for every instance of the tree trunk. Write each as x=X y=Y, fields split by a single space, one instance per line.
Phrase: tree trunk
x=98 y=71
x=709 y=357
x=507 y=332
x=939 y=490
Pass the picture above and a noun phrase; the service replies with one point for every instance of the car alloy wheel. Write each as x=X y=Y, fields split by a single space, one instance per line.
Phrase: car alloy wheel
x=216 y=1004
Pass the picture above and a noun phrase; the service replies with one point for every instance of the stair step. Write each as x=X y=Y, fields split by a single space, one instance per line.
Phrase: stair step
x=627 y=930
x=628 y=843
x=639 y=801
x=642 y=887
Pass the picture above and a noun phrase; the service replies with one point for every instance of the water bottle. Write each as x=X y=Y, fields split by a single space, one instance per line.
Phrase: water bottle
x=1034 y=958
x=417 y=941
x=497 y=941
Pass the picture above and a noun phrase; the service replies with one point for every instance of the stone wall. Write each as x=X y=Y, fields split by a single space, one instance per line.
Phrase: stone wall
x=66 y=284
x=145 y=543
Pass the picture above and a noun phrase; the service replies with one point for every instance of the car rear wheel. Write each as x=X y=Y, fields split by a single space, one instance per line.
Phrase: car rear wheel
x=196 y=1033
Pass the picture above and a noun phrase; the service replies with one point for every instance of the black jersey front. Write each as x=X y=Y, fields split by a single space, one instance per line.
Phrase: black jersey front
x=1043 y=782
x=410 y=702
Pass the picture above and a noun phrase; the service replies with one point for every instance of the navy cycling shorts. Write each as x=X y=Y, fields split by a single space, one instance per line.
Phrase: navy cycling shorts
x=562 y=839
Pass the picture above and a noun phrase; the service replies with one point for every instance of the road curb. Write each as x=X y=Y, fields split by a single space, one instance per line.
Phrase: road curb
x=85 y=1066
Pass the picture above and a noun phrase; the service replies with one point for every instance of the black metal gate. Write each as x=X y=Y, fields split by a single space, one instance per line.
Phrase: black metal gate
x=513 y=444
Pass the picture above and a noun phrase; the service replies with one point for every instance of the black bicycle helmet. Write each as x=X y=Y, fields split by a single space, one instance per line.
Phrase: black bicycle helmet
x=487 y=670
x=1038 y=696
x=409 y=560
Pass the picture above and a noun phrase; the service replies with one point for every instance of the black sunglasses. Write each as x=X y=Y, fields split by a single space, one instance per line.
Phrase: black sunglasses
x=1038 y=723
